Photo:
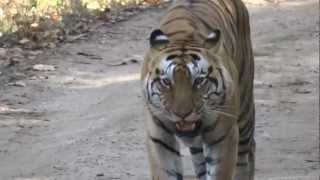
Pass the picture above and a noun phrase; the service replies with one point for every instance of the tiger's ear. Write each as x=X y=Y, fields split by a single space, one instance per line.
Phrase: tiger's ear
x=158 y=39
x=212 y=38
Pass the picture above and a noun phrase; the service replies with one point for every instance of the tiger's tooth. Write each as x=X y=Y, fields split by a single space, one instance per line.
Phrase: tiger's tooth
x=185 y=126
x=193 y=126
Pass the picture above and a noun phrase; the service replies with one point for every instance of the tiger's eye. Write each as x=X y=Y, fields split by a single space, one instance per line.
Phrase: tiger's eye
x=166 y=82
x=195 y=57
x=200 y=81
x=173 y=56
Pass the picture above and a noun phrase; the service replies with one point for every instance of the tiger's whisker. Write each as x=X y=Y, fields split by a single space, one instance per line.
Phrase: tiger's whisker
x=224 y=113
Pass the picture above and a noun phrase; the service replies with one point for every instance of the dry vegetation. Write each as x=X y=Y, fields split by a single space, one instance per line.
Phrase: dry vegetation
x=35 y=24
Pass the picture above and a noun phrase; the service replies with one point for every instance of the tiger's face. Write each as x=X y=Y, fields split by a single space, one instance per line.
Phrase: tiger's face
x=184 y=84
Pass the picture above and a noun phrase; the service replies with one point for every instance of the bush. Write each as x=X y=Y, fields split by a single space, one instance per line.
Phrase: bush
x=38 y=23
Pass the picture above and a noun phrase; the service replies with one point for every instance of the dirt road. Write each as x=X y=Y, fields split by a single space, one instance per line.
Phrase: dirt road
x=84 y=120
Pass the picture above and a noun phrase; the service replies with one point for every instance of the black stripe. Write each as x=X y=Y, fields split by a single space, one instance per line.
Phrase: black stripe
x=182 y=6
x=176 y=32
x=247 y=140
x=178 y=175
x=148 y=87
x=166 y=146
x=214 y=142
x=205 y=23
x=247 y=108
x=242 y=163
x=224 y=97
x=213 y=80
x=203 y=163
x=196 y=11
x=212 y=161
x=246 y=129
x=161 y=125
x=199 y=175
x=241 y=153
x=223 y=79
x=176 y=19
x=196 y=150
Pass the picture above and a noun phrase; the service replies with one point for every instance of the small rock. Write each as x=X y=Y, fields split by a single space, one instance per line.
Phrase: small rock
x=31 y=57
x=35 y=53
x=43 y=67
x=19 y=75
x=33 y=78
x=52 y=45
x=17 y=50
x=89 y=55
x=137 y=58
x=18 y=84
x=58 y=168
x=100 y=174
x=302 y=91
x=14 y=61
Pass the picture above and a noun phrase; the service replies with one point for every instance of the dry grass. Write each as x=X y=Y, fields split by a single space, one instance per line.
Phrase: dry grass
x=42 y=23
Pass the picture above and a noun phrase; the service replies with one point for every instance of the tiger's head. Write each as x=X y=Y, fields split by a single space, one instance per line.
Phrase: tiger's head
x=184 y=83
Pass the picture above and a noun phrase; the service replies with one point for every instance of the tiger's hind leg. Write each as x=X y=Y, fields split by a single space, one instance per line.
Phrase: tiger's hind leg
x=164 y=156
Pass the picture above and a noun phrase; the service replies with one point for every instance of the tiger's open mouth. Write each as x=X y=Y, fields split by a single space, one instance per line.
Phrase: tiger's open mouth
x=185 y=126
x=188 y=129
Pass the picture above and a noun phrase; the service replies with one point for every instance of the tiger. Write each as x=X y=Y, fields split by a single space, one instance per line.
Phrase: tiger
x=197 y=85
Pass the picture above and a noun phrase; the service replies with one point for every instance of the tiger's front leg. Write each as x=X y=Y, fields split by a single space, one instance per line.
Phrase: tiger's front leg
x=221 y=156
x=164 y=155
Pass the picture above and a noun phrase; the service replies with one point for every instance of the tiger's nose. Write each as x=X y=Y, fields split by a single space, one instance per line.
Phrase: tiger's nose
x=182 y=114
